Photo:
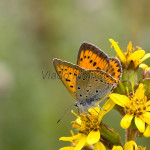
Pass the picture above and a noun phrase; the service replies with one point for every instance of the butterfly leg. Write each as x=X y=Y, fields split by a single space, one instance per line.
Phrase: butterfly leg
x=83 y=110
x=99 y=107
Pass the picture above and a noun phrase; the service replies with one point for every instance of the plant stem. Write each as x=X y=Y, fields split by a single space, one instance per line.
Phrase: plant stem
x=131 y=134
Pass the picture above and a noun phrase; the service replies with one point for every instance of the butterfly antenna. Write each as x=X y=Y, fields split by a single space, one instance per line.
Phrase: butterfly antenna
x=64 y=113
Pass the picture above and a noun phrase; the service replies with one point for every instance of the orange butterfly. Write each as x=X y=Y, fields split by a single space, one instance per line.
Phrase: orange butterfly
x=92 y=79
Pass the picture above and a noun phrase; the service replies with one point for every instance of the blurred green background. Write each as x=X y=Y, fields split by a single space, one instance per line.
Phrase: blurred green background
x=32 y=33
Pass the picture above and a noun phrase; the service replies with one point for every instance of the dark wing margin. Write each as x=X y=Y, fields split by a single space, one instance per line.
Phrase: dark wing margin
x=91 y=57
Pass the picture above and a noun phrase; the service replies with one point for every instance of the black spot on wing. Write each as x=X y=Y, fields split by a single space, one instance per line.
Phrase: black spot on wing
x=94 y=64
x=67 y=80
x=90 y=61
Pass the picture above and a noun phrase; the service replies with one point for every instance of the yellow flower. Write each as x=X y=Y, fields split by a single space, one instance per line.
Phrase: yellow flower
x=130 y=145
x=132 y=55
x=147 y=131
x=89 y=128
x=144 y=66
x=137 y=107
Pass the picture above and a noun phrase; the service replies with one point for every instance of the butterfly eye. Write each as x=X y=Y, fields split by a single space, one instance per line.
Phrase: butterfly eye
x=76 y=104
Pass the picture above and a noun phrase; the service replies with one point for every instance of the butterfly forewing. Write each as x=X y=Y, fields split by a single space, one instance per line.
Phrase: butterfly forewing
x=93 y=86
x=68 y=73
x=91 y=57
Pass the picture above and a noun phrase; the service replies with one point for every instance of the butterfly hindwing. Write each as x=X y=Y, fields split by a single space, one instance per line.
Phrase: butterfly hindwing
x=93 y=86
x=68 y=73
x=115 y=69
x=91 y=57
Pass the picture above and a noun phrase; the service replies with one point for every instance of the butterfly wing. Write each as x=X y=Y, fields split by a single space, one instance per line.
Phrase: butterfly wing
x=115 y=69
x=93 y=86
x=91 y=57
x=68 y=73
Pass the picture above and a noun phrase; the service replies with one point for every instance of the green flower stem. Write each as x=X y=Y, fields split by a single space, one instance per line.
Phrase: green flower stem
x=120 y=89
x=131 y=76
x=146 y=83
x=131 y=134
x=109 y=136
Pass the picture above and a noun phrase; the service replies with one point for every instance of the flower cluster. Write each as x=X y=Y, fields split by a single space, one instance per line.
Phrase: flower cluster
x=131 y=98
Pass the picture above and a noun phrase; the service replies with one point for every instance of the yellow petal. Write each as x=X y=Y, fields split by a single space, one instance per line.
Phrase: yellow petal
x=130 y=145
x=118 y=51
x=117 y=148
x=147 y=131
x=94 y=111
x=146 y=56
x=78 y=120
x=129 y=48
x=148 y=108
x=70 y=138
x=67 y=148
x=81 y=143
x=99 y=146
x=146 y=117
x=147 y=69
x=139 y=94
x=136 y=55
x=140 y=124
x=121 y=100
x=126 y=121
x=143 y=66
x=106 y=108
x=93 y=137
x=108 y=105
x=148 y=103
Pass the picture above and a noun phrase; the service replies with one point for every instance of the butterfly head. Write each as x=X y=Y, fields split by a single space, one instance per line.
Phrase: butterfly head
x=86 y=104
x=82 y=104
x=77 y=105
